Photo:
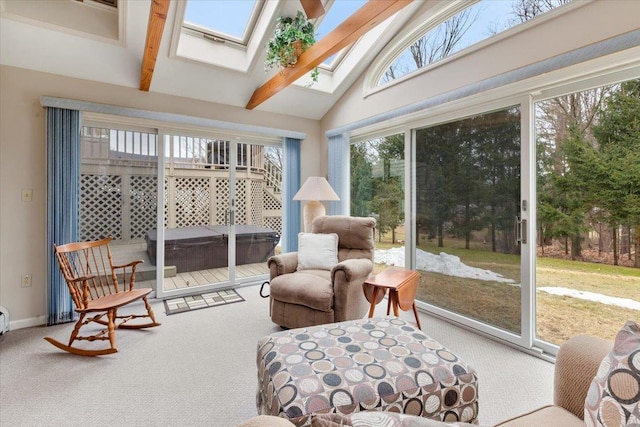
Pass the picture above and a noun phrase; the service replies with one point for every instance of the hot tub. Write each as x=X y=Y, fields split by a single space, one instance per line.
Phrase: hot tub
x=204 y=247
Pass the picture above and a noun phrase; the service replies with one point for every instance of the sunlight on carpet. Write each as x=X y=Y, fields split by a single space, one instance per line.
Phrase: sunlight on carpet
x=206 y=300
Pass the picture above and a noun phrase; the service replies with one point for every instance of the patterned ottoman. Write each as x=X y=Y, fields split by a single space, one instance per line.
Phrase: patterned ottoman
x=382 y=364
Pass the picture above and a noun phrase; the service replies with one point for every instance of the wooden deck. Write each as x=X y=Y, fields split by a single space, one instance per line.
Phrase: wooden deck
x=172 y=280
x=214 y=275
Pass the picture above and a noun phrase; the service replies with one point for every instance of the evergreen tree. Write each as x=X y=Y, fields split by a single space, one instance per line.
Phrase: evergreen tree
x=573 y=195
x=499 y=147
x=361 y=180
x=616 y=174
x=388 y=203
x=436 y=151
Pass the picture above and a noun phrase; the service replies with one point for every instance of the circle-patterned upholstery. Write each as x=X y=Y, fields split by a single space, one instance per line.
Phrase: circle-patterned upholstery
x=381 y=364
x=614 y=394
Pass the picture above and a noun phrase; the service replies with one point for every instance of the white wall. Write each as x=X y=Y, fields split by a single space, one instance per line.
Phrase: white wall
x=22 y=166
x=581 y=26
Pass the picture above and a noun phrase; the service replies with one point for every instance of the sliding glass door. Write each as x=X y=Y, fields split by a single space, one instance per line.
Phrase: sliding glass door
x=522 y=221
x=464 y=214
x=378 y=190
x=118 y=191
x=467 y=221
x=211 y=223
x=196 y=200
x=257 y=207
x=222 y=212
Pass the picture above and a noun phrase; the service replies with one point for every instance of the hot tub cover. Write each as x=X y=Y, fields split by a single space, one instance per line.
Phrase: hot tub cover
x=204 y=247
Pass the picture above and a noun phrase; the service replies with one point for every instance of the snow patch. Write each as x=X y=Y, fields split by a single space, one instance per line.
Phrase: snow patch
x=443 y=263
x=592 y=296
x=451 y=265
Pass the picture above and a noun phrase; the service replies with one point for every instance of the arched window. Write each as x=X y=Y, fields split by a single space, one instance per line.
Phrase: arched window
x=466 y=28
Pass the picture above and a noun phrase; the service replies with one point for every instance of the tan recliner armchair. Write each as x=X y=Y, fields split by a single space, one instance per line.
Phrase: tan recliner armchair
x=314 y=297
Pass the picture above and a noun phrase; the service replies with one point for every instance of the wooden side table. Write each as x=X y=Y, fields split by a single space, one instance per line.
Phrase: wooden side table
x=402 y=285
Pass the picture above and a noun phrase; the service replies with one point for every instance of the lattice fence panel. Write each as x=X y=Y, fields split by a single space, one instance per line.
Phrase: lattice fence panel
x=222 y=200
x=192 y=201
x=100 y=207
x=257 y=202
x=144 y=205
x=241 y=202
x=274 y=223
x=271 y=203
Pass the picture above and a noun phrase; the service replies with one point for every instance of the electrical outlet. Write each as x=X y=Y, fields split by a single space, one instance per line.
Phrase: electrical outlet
x=27 y=195
x=26 y=281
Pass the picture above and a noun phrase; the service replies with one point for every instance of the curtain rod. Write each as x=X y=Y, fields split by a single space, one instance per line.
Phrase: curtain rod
x=93 y=107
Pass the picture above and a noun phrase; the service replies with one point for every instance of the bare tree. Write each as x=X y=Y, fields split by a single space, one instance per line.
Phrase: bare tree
x=275 y=155
x=577 y=110
x=390 y=74
x=441 y=42
x=524 y=10
x=433 y=46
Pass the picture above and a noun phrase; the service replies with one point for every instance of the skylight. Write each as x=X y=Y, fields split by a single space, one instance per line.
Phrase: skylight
x=226 y=20
x=338 y=12
x=233 y=34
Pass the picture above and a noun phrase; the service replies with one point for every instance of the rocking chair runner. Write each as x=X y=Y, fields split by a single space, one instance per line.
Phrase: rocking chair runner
x=92 y=279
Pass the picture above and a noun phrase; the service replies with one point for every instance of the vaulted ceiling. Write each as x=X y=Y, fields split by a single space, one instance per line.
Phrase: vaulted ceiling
x=89 y=40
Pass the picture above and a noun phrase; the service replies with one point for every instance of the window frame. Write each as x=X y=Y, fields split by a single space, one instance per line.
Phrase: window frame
x=389 y=55
x=602 y=72
x=218 y=36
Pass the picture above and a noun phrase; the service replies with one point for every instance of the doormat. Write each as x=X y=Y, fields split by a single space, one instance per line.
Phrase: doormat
x=196 y=302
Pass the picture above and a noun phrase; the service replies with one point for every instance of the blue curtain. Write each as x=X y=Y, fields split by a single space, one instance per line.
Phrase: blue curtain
x=291 y=208
x=63 y=181
x=338 y=176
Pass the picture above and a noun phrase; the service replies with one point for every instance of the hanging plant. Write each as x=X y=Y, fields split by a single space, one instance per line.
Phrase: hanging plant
x=291 y=37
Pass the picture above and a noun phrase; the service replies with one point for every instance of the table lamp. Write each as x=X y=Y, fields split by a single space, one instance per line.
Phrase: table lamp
x=315 y=189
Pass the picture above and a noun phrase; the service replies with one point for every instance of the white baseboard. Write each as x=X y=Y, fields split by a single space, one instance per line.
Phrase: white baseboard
x=27 y=323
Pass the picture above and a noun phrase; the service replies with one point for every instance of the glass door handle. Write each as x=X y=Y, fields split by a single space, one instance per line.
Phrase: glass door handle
x=521 y=230
x=229 y=217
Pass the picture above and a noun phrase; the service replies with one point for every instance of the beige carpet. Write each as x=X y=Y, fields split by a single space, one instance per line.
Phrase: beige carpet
x=198 y=369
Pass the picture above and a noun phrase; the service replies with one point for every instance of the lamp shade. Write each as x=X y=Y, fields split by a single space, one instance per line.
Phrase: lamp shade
x=316 y=188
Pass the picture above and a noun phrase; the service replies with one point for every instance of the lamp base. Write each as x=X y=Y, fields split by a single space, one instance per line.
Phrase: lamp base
x=312 y=209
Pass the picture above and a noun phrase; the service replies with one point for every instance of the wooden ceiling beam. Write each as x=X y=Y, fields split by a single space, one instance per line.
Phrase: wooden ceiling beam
x=312 y=8
x=364 y=19
x=157 y=19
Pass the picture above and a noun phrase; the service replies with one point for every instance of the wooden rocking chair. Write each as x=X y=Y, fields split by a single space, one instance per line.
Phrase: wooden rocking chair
x=92 y=279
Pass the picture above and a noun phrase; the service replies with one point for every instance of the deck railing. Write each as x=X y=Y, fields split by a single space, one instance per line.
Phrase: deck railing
x=273 y=175
x=113 y=146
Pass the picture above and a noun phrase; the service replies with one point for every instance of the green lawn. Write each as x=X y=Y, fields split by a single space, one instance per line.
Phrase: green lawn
x=498 y=304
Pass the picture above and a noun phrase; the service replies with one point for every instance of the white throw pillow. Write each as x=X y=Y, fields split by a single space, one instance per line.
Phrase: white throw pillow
x=317 y=251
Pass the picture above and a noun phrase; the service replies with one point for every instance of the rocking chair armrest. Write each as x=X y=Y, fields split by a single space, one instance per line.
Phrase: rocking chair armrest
x=80 y=289
x=82 y=278
x=132 y=264
x=86 y=289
